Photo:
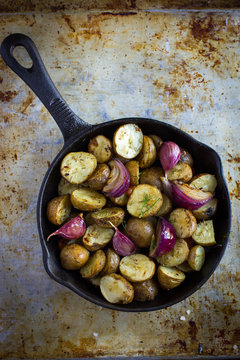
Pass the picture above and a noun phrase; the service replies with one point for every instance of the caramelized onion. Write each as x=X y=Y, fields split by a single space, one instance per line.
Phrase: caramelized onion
x=164 y=240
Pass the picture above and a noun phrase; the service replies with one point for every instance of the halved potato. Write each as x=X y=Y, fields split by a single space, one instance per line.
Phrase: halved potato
x=204 y=233
x=185 y=267
x=73 y=256
x=205 y=182
x=186 y=157
x=176 y=256
x=132 y=167
x=166 y=206
x=98 y=179
x=101 y=148
x=116 y=290
x=87 y=199
x=157 y=141
x=95 y=281
x=94 y=265
x=76 y=167
x=59 y=209
x=181 y=171
x=128 y=141
x=148 y=153
x=169 y=278
x=121 y=200
x=183 y=222
x=196 y=257
x=152 y=176
x=144 y=201
x=112 y=262
x=146 y=290
x=206 y=211
x=137 y=267
x=97 y=237
x=104 y=217
x=65 y=187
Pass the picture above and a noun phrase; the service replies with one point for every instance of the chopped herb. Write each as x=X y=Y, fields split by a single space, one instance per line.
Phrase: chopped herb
x=145 y=206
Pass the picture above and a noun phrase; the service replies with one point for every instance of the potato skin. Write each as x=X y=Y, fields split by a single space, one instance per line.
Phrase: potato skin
x=166 y=206
x=186 y=157
x=176 y=256
x=146 y=290
x=73 y=256
x=140 y=231
x=183 y=221
x=132 y=167
x=94 y=265
x=65 y=187
x=101 y=148
x=181 y=171
x=157 y=141
x=148 y=153
x=112 y=262
x=196 y=257
x=98 y=179
x=59 y=209
x=206 y=211
x=152 y=176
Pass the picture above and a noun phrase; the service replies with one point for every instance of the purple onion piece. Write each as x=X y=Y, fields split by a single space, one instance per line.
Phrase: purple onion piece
x=120 y=187
x=164 y=240
x=72 y=230
x=122 y=245
x=169 y=155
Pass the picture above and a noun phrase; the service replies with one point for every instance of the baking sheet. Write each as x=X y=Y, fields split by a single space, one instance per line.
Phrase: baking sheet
x=179 y=65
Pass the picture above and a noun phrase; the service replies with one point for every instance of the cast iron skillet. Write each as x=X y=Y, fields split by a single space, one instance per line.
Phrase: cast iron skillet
x=76 y=134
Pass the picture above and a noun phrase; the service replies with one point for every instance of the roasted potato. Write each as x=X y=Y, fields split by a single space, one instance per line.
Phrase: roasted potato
x=112 y=262
x=101 y=148
x=204 y=233
x=157 y=141
x=65 y=187
x=98 y=179
x=146 y=290
x=196 y=257
x=144 y=201
x=148 y=153
x=166 y=206
x=87 y=199
x=106 y=216
x=97 y=237
x=152 y=176
x=206 y=211
x=176 y=256
x=76 y=167
x=184 y=267
x=59 y=209
x=132 y=167
x=116 y=289
x=169 y=278
x=140 y=231
x=120 y=200
x=205 y=182
x=95 y=281
x=128 y=141
x=94 y=265
x=183 y=222
x=73 y=256
x=181 y=171
x=186 y=157
x=137 y=267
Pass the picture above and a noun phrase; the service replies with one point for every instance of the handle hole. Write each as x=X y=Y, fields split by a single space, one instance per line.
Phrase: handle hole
x=22 y=56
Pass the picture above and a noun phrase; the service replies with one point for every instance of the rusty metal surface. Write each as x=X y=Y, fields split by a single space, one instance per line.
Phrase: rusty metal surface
x=179 y=67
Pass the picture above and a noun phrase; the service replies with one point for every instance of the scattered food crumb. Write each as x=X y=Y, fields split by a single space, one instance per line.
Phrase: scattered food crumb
x=235 y=347
x=188 y=312
x=182 y=318
x=95 y=334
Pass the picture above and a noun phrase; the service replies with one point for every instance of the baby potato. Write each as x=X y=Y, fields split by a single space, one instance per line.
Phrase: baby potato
x=97 y=237
x=128 y=141
x=59 y=209
x=65 y=187
x=116 y=290
x=137 y=267
x=181 y=171
x=73 y=256
x=101 y=148
x=98 y=179
x=120 y=200
x=152 y=176
x=140 y=231
x=169 y=278
x=132 y=167
x=176 y=256
x=206 y=211
x=112 y=262
x=157 y=141
x=186 y=157
x=104 y=217
x=185 y=267
x=183 y=222
x=94 y=265
x=148 y=153
x=146 y=290
x=76 y=167
x=196 y=257
x=204 y=233
x=166 y=206
x=205 y=182
x=87 y=199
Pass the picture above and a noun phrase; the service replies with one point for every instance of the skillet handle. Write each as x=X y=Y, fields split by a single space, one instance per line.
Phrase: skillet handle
x=40 y=82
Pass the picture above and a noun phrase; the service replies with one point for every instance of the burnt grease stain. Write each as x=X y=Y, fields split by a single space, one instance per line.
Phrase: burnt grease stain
x=7 y=96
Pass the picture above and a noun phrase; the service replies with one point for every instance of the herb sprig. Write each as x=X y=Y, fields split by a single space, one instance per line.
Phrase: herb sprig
x=145 y=207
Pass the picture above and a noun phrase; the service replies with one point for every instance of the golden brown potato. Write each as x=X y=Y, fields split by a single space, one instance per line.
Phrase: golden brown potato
x=204 y=233
x=186 y=157
x=128 y=141
x=65 y=187
x=176 y=256
x=121 y=200
x=87 y=199
x=98 y=179
x=196 y=257
x=116 y=289
x=181 y=171
x=76 y=167
x=106 y=216
x=140 y=231
x=157 y=141
x=184 y=267
x=137 y=267
x=183 y=222
x=101 y=148
x=144 y=201
x=132 y=167
x=146 y=290
x=95 y=281
x=166 y=206
x=205 y=182
x=97 y=237
x=112 y=262
x=169 y=278
x=59 y=209
x=206 y=211
x=152 y=176
x=94 y=265
x=148 y=153
x=73 y=256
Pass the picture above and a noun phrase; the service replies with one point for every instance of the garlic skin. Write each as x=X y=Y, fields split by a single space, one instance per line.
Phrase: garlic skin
x=169 y=155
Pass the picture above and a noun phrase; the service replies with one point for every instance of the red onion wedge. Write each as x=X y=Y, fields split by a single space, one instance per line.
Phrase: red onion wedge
x=72 y=230
x=169 y=155
x=167 y=186
x=188 y=197
x=122 y=244
x=118 y=181
x=164 y=240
